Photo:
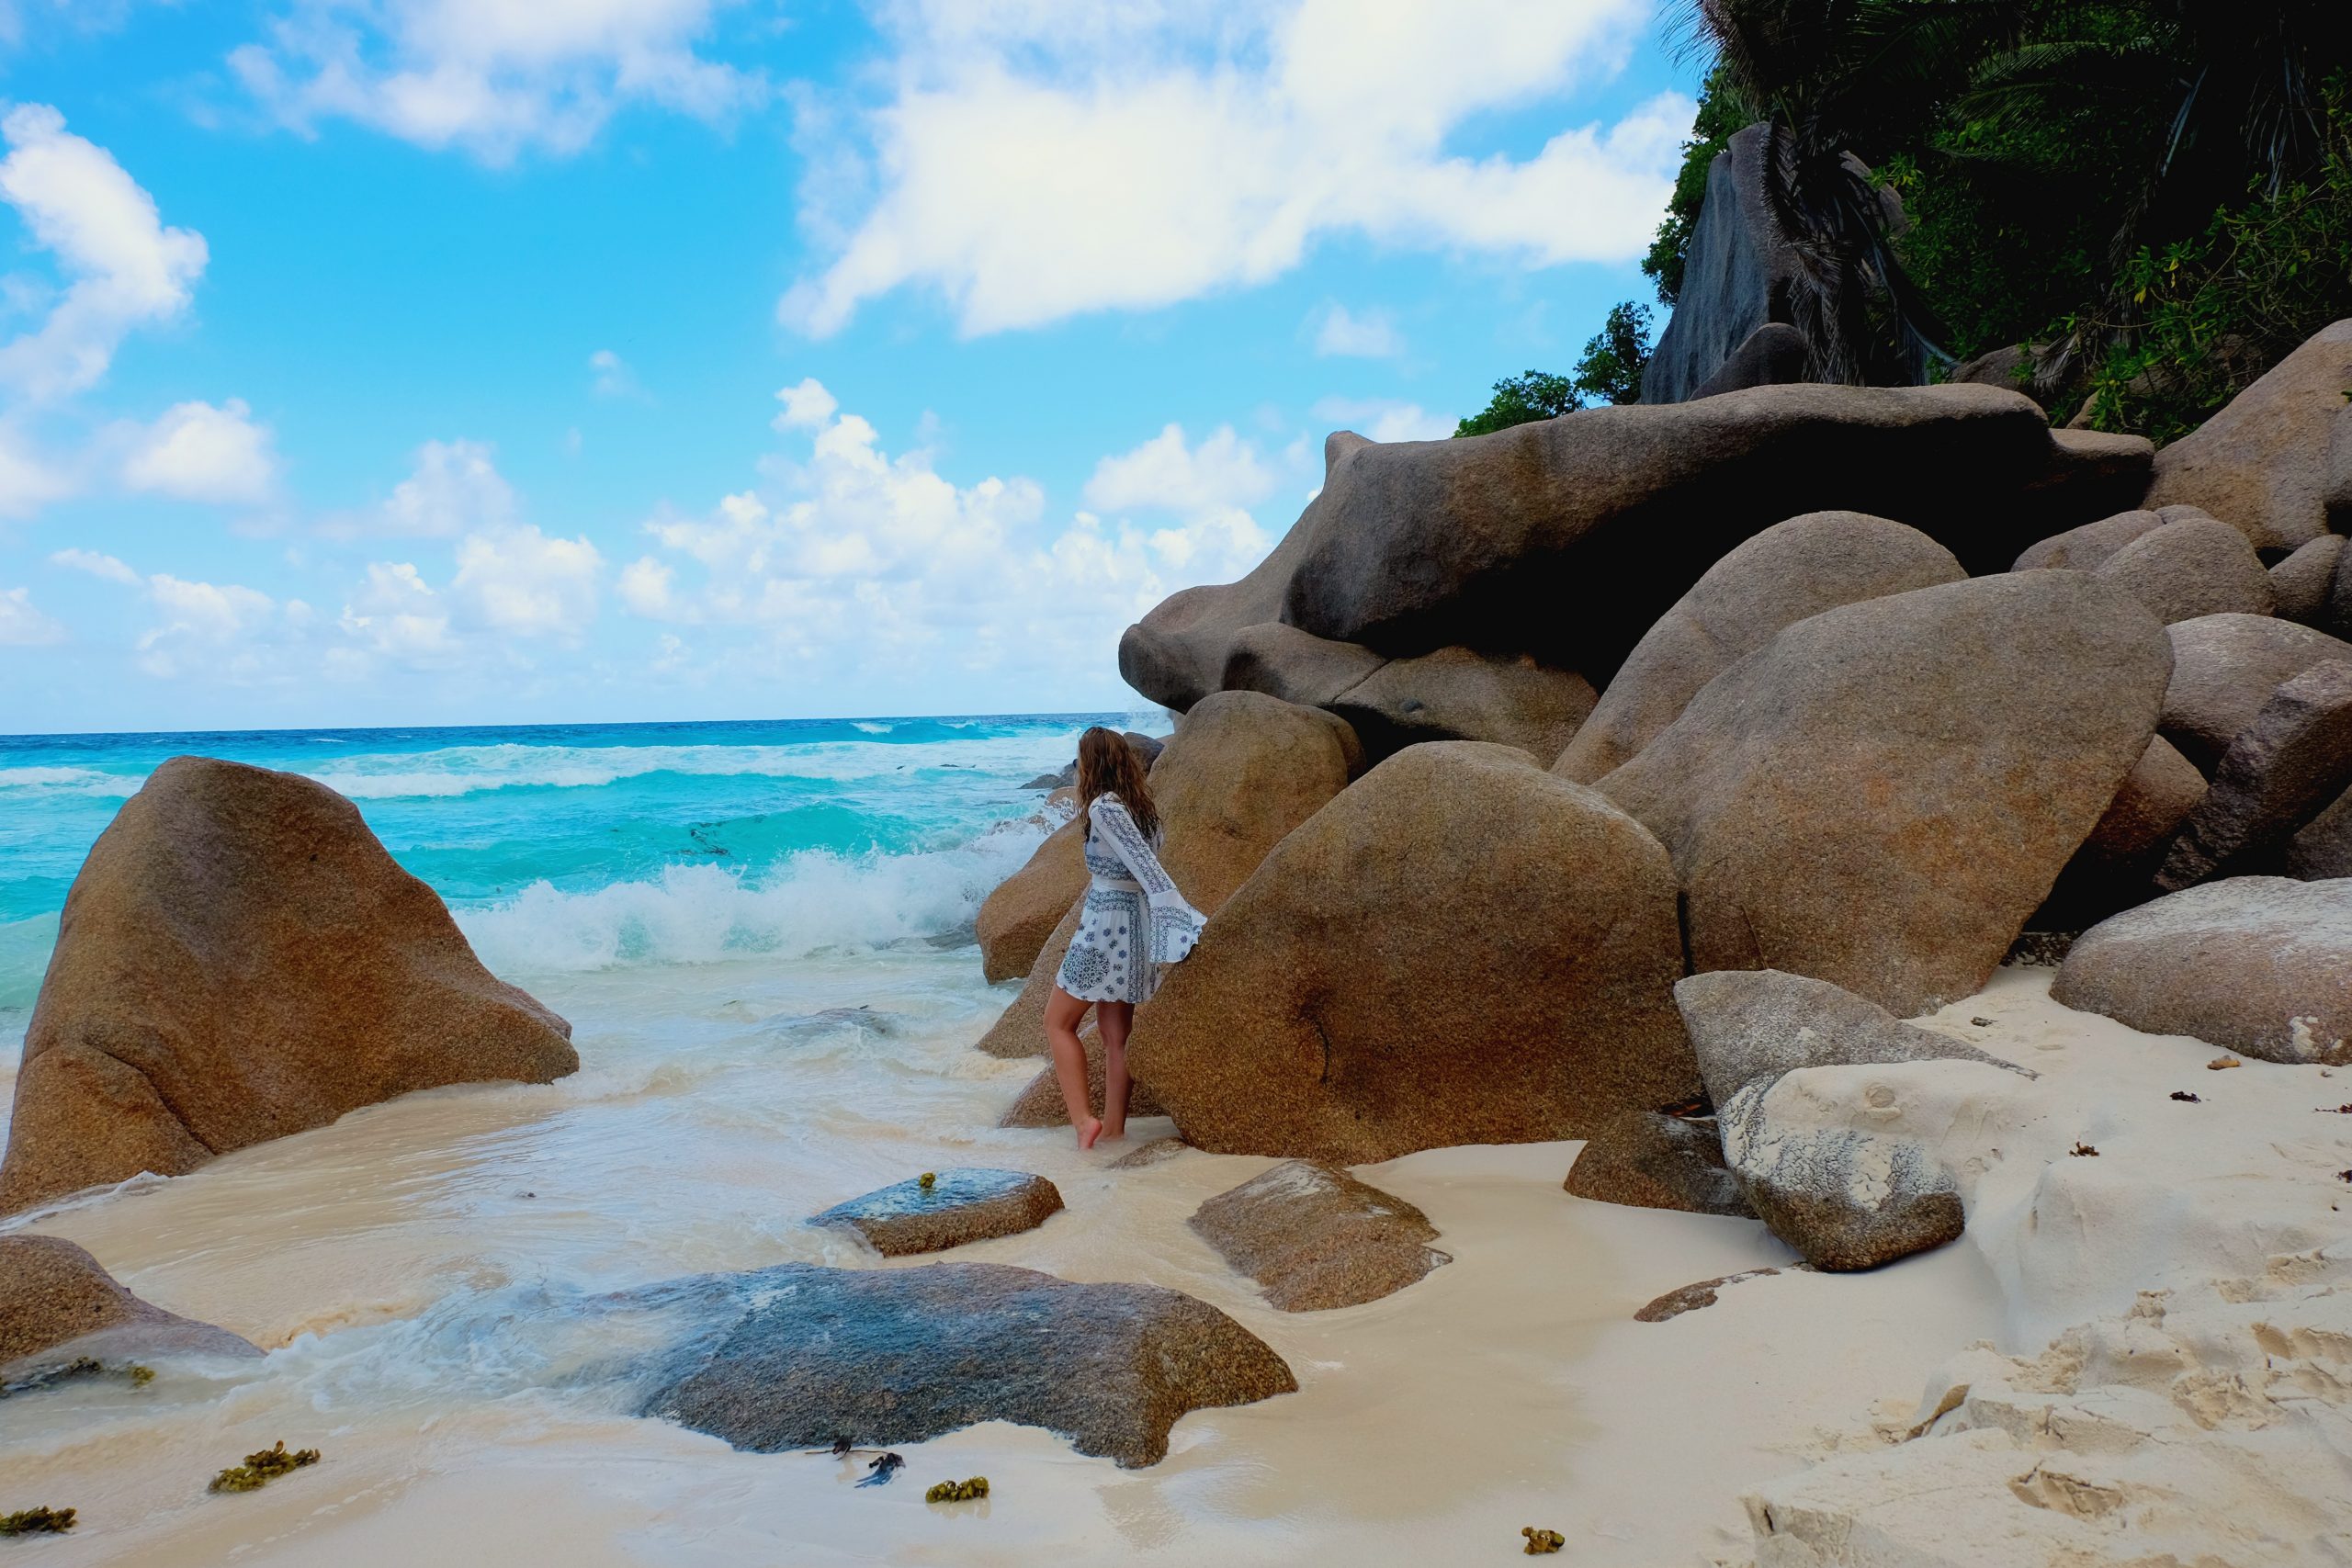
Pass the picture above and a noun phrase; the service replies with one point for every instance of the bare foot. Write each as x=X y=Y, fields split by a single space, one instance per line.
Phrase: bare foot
x=1088 y=1131
x=1114 y=1133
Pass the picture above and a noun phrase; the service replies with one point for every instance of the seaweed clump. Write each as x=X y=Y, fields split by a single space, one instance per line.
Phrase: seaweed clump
x=260 y=1468
x=1541 y=1542
x=80 y=1367
x=38 y=1521
x=958 y=1491
x=927 y=1180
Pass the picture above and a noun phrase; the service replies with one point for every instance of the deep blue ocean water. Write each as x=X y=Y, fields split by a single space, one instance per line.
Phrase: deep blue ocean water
x=569 y=847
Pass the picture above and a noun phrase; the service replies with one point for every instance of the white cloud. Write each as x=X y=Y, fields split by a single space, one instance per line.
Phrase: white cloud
x=22 y=625
x=852 y=557
x=614 y=377
x=28 y=480
x=494 y=77
x=1372 y=336
x=197 y=452
x=454 y=488
x=394 y=613
x=518 y=580
x=222 y=631
x=1166 y=474
x=123 y=267
x=97 y=564
x=1384 y=419
x=805 y=407
x=1038 y=159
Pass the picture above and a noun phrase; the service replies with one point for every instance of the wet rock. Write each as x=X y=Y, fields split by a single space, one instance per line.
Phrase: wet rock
x=2224 y=668
x=1149 y=1153
x=1457 y=695
x=2089 y=547
x=57 y=1305
x=240 y=959
x=1690 y=1298
x=797 y=1356
x=1844 y=1199
x=1882 y=794
x=1461 y=948
x=2262 y=464
x=2261 y=965
x=2283 y=768
x=1566 y=539
x=2199 y=566
x=1651 y=1160
x=2300 y=585
x=1317 y=1238
x=957 y=1207
x=1788 y=571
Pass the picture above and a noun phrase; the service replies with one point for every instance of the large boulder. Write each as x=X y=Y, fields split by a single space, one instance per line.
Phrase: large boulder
x=2300 y=585
x=240 y=959
x=2224 y=668
x=797 y=1356
x=1884 y=793
x=1241 y=770
x=2322 y=849
x=2199 y=566
x=2280 y=772
x=1460 y=949
x=1020 y=915
x=1566 y=539
x=2262 y=464
x=1790 y=570
x=946 y=1208
x=1739 y=276
x=1316 y=1237
x=2089 y=547
x=1457 y=695
x=1296 y=666
x=2261 y=965
x=58 y=1306
x=1844 y=1199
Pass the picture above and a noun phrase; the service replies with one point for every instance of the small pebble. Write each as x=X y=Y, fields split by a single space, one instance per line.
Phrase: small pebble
x=2182 y=1094
x=2218 y=1063
x=1982 y=1022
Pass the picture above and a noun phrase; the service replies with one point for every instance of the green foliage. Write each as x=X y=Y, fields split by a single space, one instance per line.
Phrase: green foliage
x=260 y=1468
x=1609 y=371
x=1721 y=113
x=2199 y=320
x=1522 y=400
x=1614 y=357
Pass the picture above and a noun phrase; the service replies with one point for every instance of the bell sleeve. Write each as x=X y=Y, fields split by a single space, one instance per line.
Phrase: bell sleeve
x=1175 y=924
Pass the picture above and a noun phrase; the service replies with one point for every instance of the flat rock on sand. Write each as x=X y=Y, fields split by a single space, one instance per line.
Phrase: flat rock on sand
x=957 y=1206
x=240 y=959
x=1316 y=1237
x=1460 y=949
x=1654 y=1159
x=1790 y=570
x=1882 y=794
x=2261 y=965
x=57 y=1304
x=797 y=1356
x=1844 y=1199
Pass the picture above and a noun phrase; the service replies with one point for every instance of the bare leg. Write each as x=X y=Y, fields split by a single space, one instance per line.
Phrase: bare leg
x=1063 y=1013
x=1113 y=1020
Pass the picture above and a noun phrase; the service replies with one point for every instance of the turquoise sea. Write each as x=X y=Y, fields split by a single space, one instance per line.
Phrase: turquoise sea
x=582 y=847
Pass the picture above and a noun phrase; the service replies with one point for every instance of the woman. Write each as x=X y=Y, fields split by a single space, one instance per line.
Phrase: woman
x=1133 y=921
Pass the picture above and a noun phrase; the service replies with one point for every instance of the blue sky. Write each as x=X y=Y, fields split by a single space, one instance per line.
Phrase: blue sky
x=497 y=361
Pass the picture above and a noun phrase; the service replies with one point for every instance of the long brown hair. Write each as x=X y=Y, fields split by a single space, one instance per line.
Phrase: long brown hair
x=1108 y=765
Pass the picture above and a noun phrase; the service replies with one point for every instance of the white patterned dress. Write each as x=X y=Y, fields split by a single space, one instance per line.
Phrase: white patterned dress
x=1134 y=919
